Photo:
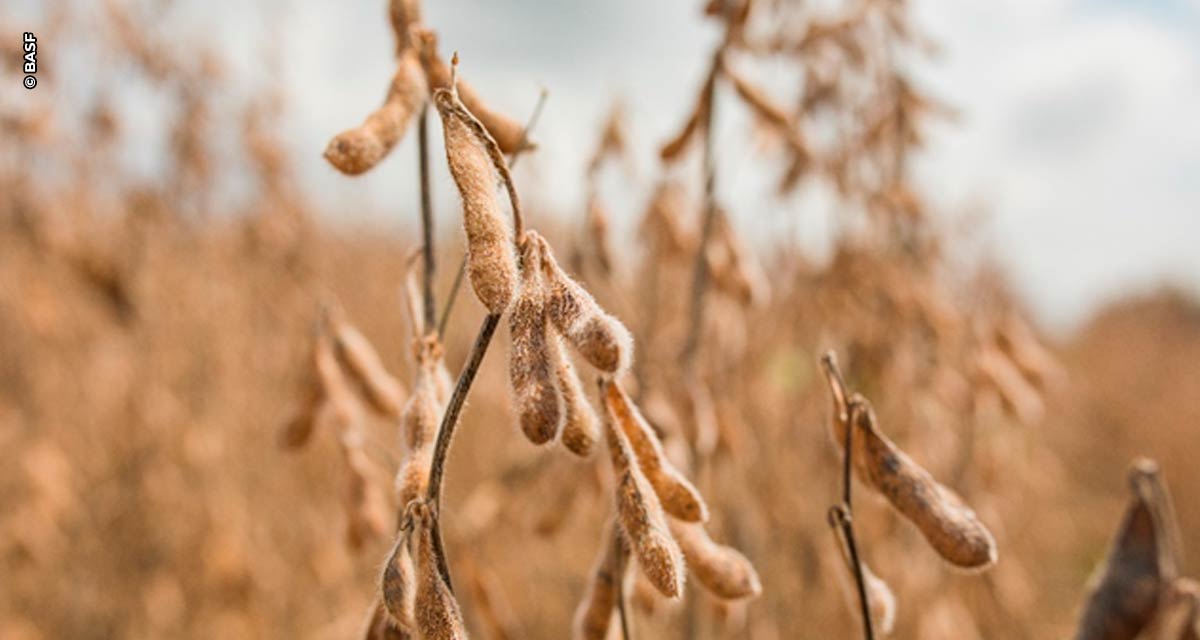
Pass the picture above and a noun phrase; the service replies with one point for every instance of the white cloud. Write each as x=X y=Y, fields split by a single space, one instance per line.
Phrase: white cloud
x=1079 y=136
x=1078 y=127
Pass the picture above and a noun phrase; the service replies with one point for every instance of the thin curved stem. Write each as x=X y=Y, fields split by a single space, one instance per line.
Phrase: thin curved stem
x=845 y=518
x=441 y=449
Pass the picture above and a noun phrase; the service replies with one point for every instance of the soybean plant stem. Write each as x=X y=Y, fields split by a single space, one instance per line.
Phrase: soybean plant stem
x=844 y=514
x=437 y=471
x=426 y=219
x=700 y=275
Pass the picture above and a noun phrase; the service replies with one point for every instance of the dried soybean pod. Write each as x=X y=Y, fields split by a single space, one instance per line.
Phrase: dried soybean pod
x=419 y=424
x=597 y=227
x=581 y=426
x=531 y=373
x=881 y=602
x=490 y=605
x=383 y=392
x=763 y=106
x=1018 y=396
x=507 y=132
x=598 y=336
x=1126 y=593
x=437 y=613
x=381 y=627
x=948 y=525
x=357 y=150
x=491 y=260
x=673 y=149
x=678 y=496
x=421 y=415
x=403 y=14
x=1035 y=361
x=724 y=571
x=595 y=613
x=398 y=584
x=642 y=518
x=663 y=222
x=299 y=429
x=702 y=413
x=734 y=271
x=839 y=417
x=363 y=500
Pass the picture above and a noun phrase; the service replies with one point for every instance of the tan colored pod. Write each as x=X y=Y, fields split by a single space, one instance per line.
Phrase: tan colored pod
x=881 y=602
x=948 y=525
x=419 y=423
x=732 y=269
x=1020 y=398
x=673 y=149
x=702 y=415
x=490 y=606
x=357 y=150
x=642 y=519
x=598 y=336
x=412 y=479
x=763 y=106
x=595 y=613
x=724 y=571
x=597 y=231
x=1125 y=594
x=363 y=501
x=508 y=133
x=839 y=412
x=664 y=223
x=421 y=417
x=398 y=585
x=380 y=626
x=383 y=392
x=581 y=426
x=437 y=613
x=491 y=258
x=1036 y=362
x=340 y=404
x=678 y=496
x=297 y=432
x=531 y=365
x=404 y=15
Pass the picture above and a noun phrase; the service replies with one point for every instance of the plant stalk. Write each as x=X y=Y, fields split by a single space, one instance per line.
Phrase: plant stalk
x=845 y=517
x=700 y=275
x=426 y=219
x=441 y=449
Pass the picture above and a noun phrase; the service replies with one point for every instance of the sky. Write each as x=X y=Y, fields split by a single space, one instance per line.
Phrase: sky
x=1079 y=135
x=1078 y=138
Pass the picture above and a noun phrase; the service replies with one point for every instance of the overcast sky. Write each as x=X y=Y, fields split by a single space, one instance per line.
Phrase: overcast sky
x=1079 y=135
x=1080 y=132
